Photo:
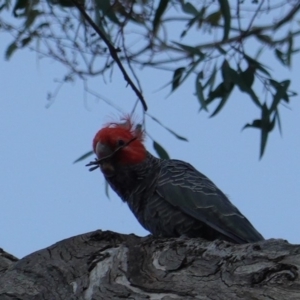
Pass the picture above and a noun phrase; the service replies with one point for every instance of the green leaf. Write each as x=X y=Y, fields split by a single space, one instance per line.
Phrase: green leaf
x=199 y=92
x=192 y=68
x=31 y=17
x=6 y=4
x=292 y=94
x=274 y=83
x=255 y=124
x=265 y=126
x=170 y=130
x=161 y=152
x=257 y=65
x=162 y=6
x=65 y=3
x=279 y=85
x=201 y=15
x=265 y=129
x=84 y=156
x=281 y=56
x=265 y=38
x=214 y=18
x=191 y=50
x=99 y=20
x=211 y=80
x=225 y=11
x=240 y=82
x=226 y=74
x=248 y=76
x=105 y=7
x=224 y=89
x=277 y=116
x=281 y=93
x=107 y=189
x=42 y=25
x=222 y=102
x=198 y=17
x=290 y=50
x=188 y=8
x=20 y=5
x=26 y=41
x=180 y=137
x=10 y=50
x=218 y=92
x=243 y=80
x=176 y=78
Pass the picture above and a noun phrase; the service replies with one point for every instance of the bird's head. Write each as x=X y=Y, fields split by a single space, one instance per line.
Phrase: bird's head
x=119 y=144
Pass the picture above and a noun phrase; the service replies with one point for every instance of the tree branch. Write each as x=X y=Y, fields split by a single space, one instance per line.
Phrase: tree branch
x=288 y=17
x=112 y=50
x=108 y=265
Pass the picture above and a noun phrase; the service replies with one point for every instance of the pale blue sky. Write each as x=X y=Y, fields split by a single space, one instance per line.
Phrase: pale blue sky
x=45 y=198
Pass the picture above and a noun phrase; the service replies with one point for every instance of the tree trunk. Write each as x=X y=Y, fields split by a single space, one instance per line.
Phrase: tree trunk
x=106 y=265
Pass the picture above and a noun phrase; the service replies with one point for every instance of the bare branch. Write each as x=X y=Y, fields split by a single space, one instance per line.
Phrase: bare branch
x=112 y=50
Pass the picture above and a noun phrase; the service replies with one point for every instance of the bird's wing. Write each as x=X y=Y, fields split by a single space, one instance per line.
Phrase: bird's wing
x=193 y=193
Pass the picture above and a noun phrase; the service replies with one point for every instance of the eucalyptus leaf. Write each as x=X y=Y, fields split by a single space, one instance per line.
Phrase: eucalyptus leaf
x=199 y=92
x=162 y=6
x=161 y=152
x=168 y=129
x=225 y=11
x=177 y=77
x=84 y=156
x=188 y=8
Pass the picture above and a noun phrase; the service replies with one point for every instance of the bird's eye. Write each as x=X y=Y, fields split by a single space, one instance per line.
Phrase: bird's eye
x=120 y=142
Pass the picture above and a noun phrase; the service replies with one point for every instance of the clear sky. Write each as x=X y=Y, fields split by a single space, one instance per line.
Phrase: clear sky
x=46 y=198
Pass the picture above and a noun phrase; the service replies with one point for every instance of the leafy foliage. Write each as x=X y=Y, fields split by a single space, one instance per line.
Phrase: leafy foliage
x=219 y=60
x=84 y=156
x=162 y=153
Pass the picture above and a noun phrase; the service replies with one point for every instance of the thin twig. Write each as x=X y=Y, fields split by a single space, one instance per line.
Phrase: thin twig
x=112 y=50
x=96 y=163
x=255 y=15
x=288 y=17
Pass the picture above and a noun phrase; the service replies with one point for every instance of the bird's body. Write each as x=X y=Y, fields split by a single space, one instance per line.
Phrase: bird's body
x=169 y=198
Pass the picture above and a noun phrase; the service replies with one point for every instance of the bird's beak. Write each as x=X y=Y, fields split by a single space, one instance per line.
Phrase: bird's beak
x=102 y=150
x=106 y=166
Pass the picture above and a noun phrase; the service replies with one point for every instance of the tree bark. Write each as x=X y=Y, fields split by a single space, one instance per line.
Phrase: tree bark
x=106 y=265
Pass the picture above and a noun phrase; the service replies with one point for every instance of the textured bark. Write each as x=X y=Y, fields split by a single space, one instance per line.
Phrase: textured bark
x=106 y=265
